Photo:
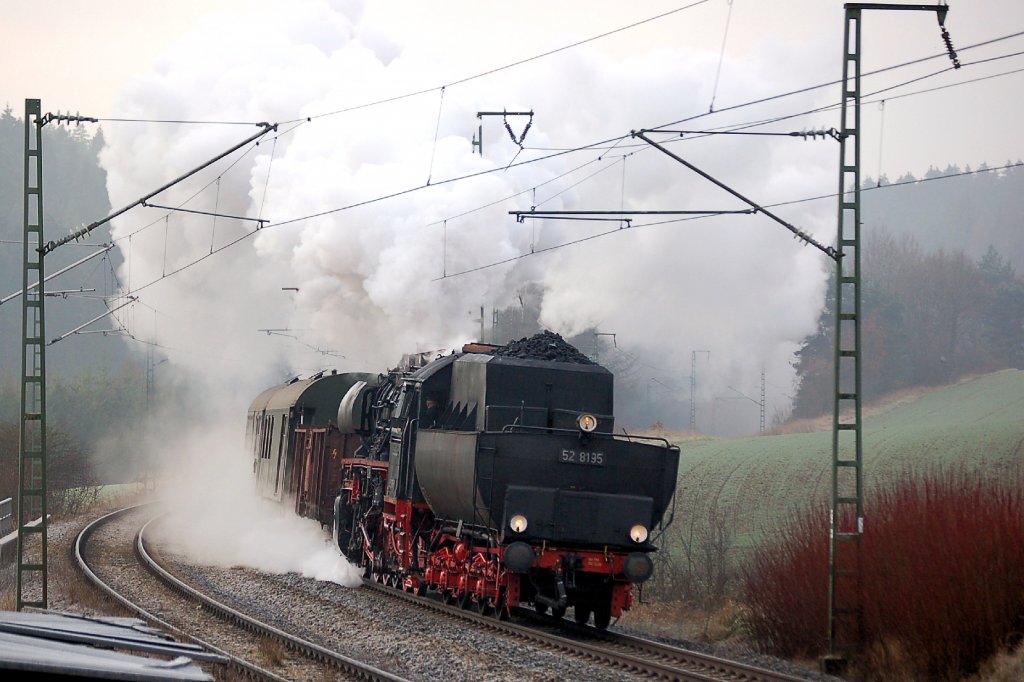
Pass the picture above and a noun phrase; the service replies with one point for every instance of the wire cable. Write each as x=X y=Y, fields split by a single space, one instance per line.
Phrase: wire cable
x=721 y=58
x=498 y=69
x=838 y=81
x=618 y=140
x=250 y=148
x=593 y=146
x=184 y=121
x=598 y=235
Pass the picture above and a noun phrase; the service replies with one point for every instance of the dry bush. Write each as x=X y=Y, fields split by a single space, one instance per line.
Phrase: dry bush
x=695 y=563
x=942 y=577
x=62 y=504
x=683 y=620
x=271 y=651
x=785 y=587
x=8 y=588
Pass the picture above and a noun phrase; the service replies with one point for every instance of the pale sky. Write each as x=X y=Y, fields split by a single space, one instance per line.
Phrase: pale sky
x=78 y=56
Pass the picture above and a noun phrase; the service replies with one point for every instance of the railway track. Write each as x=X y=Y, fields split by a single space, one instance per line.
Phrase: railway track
x=126 y=562
x=114 y=556
x=625 y=653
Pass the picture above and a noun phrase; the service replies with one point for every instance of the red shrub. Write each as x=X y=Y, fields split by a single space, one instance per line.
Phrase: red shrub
x=943 y=576
x=786 y=588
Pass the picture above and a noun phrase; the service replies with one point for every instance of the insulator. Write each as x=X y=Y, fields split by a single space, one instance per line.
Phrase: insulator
x=949 y=48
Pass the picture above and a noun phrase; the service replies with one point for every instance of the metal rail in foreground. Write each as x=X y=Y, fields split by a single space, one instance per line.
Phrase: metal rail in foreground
x=218 y=655
x=635 y=655
x=348 y=665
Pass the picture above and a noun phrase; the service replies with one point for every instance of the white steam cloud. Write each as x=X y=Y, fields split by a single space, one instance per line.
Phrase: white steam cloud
x=218 y=520
x=369 y=279
x=367 y=276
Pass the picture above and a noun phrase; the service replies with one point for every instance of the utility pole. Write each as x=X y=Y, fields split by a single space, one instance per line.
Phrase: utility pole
x=693 y=387
x=762 y=398
x=32 y=544
x=32 y=486
x=846 y=522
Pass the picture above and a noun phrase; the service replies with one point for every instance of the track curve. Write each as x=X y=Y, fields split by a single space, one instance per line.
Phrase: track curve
x=233 y=636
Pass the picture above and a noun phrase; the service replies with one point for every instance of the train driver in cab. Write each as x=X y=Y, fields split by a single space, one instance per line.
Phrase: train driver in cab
x=431 y=412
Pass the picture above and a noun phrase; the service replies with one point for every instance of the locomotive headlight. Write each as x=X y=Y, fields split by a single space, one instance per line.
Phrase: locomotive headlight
x=587 y=423
x=638 y=533
x=518 y=523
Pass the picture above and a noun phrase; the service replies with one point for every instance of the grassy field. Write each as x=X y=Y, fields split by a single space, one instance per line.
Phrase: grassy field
x=755 y=482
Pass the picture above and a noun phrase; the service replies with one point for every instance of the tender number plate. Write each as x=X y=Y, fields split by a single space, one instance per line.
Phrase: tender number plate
x=581 y=457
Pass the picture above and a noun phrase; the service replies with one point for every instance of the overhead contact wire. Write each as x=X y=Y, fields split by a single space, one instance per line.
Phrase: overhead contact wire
x=616 y=231
x=702 y=217
x=942 y=55
x=506 y=66
x=202 y=189
x=616 y=140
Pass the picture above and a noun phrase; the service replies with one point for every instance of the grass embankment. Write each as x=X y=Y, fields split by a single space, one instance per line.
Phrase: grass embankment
x=773 y=492
x=759 y=482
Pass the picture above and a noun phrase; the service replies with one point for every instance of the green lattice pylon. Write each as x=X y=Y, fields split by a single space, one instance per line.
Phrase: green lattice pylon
x=32 y=519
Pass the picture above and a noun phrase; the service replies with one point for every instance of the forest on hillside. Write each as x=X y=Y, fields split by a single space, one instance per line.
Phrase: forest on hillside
x=74 y=194
x=93 y=381
x=941 y=293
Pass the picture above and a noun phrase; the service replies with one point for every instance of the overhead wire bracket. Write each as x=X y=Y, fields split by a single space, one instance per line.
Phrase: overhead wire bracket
x=76 y=330
x=614 y=216
x=478 y=140
x=797 y=232
x=805 y=134
x=78 y=234
x=106 y=247
x=261 y=222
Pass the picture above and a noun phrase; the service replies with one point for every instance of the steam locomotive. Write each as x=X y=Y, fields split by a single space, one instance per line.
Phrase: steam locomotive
x=490 y=475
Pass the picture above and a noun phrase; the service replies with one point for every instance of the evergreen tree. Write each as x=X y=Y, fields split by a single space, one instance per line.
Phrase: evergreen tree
x=1003 y=314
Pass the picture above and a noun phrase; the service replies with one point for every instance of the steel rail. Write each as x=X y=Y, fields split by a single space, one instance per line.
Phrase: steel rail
x=79 y=551
x=351 y=666
x=642 y=657
x=251 y=671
